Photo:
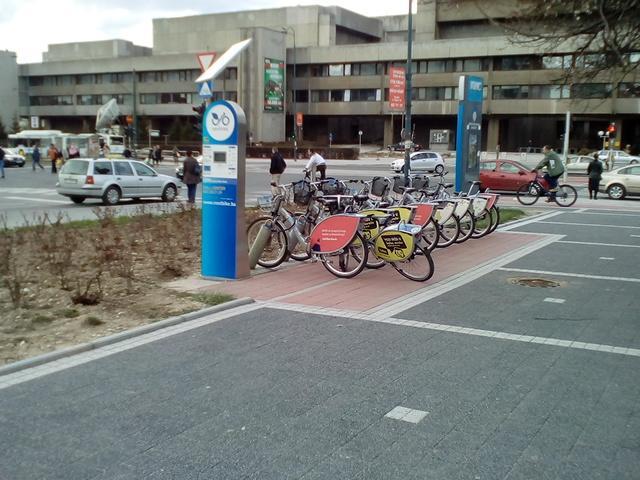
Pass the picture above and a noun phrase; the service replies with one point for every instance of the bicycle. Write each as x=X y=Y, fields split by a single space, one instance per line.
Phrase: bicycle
x=529 y=193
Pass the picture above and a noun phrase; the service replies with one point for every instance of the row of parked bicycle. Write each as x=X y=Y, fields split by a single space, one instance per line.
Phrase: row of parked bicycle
x=355 y=224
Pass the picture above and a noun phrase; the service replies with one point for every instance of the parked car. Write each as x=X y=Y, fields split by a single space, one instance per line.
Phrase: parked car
x=621 y=182
x=421 y=161
x=13 y=158
x=112 y=180
x=620 y=158
x=180 y=170
x=504 y=175
x=578 y=164
x=399 y=147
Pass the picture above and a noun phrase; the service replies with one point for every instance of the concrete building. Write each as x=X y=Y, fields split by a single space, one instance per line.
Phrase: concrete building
x=341 y=85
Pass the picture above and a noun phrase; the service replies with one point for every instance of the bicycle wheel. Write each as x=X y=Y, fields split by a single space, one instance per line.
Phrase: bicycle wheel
x=566 y=195
x=275 y=251
x=483 y=224
x=418 y=267
x=495 y=218
x=448 y=232
x=349 y=261
x=467 y=225
x=528 y=194
x=374 y=262
x=299 y=252
x=429 y=235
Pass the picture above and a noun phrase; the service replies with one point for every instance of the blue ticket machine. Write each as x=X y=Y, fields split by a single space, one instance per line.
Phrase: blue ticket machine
x=469 y=134
x=224 y=230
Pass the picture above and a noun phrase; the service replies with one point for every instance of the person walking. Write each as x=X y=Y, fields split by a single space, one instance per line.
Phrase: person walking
x=191 y=176
x=277 y=168
x=52 y=153
x=316 y=164
x=594 y=170
x=157 y=155
x=103 y=149
x=176 y=155
x=73 y=151
x=35 y=158
x=555 y=169
x=1 y=163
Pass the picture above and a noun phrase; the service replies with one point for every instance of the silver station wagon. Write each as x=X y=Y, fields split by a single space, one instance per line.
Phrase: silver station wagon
x=111 y=180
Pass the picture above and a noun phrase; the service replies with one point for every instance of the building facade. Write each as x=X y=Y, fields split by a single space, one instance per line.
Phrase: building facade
x=341 y=82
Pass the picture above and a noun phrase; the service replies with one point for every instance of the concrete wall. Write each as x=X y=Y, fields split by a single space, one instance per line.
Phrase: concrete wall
x=93 y=50
x=8 y=87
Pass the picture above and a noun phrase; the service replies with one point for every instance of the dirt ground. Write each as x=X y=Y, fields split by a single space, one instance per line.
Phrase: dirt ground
x=64 y=284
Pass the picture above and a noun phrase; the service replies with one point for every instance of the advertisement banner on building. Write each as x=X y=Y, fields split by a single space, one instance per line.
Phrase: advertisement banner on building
x=397 y=86
x=469 y=131
x=273 y=85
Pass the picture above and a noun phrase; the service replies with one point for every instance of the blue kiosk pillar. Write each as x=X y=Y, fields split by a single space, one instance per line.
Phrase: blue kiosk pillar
x=224 y=230
x=469 y=131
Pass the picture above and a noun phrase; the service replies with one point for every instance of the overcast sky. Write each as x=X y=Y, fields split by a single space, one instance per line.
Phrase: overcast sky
x=28 y=26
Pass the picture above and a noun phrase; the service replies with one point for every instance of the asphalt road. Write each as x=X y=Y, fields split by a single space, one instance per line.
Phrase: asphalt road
x=486 y=380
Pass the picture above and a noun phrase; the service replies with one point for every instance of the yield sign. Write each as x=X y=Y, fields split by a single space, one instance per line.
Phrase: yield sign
x=205 y=59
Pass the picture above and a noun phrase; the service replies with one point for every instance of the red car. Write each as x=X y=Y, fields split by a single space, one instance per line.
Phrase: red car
x=504 y=175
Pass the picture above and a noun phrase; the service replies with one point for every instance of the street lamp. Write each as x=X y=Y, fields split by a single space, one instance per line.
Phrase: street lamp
x=293 y=91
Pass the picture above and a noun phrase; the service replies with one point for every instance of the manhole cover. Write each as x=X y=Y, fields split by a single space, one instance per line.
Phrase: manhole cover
x=534 y=282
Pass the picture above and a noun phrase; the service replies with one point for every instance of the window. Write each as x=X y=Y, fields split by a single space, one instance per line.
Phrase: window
x=146 y=77
x=102 y=168
x=302 y=96
x=302 y=70
x=51 y=100
x=75 y=167
x=89 y=100
x=319 y=70
x=64 y=80
x=142 y=170
x=148 y=98
x=629 y=90
x=487 y=165
x=231 y=73
x=169 y=76
x=556 y=62
x=123 y=168
x=336 y=70
x=365 y=95
x=548 y=91
x=85 y=79
x=518 y=62
x=591 y=90
x=366 y=69
x=509 y=168
x=436 y=66
x=510 y=92
x=633 y=171
x=36 y=81
x=337 y=95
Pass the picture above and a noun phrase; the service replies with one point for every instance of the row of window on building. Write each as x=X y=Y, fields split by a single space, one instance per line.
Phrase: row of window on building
x=127 y=99
x=230 y=73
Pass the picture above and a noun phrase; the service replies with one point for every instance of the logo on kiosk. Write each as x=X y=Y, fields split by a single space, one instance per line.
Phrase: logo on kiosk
x=220 y=123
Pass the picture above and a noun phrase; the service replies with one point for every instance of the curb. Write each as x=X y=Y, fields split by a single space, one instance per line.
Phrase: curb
x=118 y=337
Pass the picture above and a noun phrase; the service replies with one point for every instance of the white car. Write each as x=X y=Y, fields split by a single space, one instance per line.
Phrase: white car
x=578 y=164
x=620 y=158
x=621 y=182
x=421 y=161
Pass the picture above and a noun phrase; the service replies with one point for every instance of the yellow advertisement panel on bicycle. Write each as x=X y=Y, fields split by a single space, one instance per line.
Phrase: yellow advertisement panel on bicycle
x=394 y=245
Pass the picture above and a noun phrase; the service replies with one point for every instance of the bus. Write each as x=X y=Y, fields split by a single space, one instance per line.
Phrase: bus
x=87 y=143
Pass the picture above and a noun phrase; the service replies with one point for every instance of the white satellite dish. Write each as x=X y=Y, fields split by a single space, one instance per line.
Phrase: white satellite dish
x=107 y=114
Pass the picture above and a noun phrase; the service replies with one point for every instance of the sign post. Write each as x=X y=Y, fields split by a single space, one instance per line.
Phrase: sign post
x=469 y=130
x=224 y=236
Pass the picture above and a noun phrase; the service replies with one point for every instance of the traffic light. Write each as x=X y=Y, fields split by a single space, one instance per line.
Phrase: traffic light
x=611 y=129
x=199 y=115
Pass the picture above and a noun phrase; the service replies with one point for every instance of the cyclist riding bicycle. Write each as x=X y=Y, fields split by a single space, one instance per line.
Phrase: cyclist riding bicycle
x=555 y=169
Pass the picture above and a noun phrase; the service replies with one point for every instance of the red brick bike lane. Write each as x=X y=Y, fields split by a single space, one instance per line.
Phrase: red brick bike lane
x=311 y=284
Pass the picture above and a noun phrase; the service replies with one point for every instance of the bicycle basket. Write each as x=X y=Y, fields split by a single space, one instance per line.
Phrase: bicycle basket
x=420 y=183
x=331 y=186
x=302 y=192
x=398 y=185
x=379 y=186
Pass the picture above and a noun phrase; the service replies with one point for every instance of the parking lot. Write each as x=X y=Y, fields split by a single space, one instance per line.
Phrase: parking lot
x=473 y=377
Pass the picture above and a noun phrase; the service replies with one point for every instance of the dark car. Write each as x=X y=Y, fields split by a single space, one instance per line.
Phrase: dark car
x=399 y=147
x=13 y=159
x=504 y=175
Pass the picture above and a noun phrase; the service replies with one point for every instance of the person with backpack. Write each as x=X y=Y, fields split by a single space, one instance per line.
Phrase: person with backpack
x=192 y=172
x=278 y=166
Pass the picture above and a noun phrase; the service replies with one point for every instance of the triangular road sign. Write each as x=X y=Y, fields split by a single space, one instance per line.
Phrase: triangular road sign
x=206 y=59
x=205 y=90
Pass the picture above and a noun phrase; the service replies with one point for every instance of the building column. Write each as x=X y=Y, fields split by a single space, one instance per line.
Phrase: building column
x=388 y=130
x=618 y=140
x=493 y=134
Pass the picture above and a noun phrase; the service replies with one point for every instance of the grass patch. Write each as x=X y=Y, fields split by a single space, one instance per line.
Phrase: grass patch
x=211 y=299
x=93 y=321
x=68 y=313
x=510 y=214
x=40 y=318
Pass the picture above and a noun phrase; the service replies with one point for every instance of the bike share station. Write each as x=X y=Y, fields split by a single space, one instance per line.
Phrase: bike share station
x=469 y=132
x=224 y=236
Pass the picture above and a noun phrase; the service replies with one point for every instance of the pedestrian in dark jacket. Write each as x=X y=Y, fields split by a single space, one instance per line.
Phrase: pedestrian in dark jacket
x=278 y=166
x=35 y=158
x=594 y=170
x=191 y=176
x=1 y=163
x=157 y=155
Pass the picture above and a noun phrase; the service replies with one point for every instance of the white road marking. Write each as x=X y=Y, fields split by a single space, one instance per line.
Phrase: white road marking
x=606 y=258
x=554 y=300
x=609 y=214
x=587 y=224
x=567 y=274
x=47 y=200
x=332 y=312
x=635 y=236
x=601 y=244
x=407 y=414
x=527 y=221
